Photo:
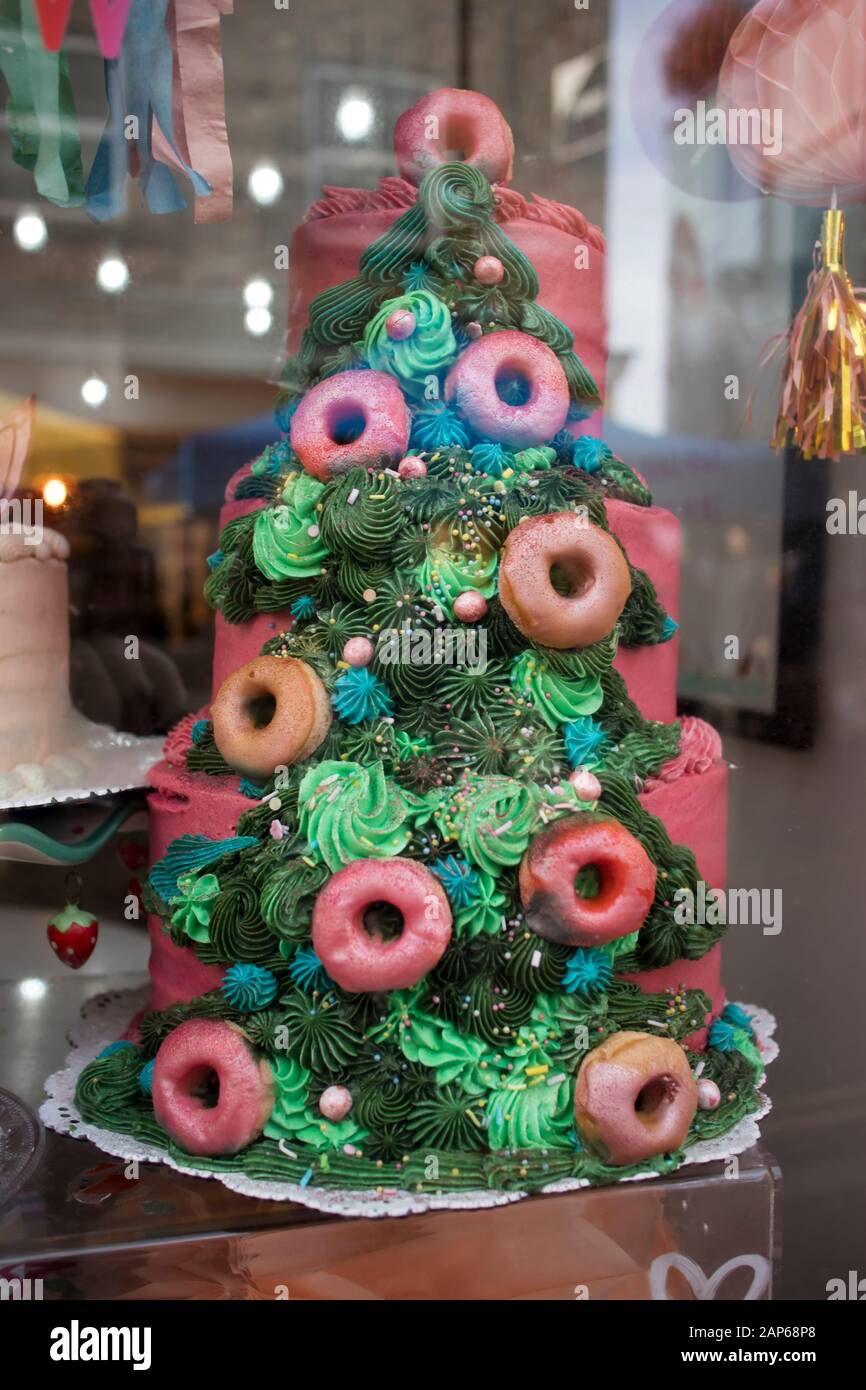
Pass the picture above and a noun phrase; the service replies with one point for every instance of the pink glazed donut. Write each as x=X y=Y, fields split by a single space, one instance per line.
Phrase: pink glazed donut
x=492 y=361
x=211 y=1094
x=458 y=125
x=588 y=558
x=350 y=420
x=626 y=881
x=345 y=938
x=635 y=1097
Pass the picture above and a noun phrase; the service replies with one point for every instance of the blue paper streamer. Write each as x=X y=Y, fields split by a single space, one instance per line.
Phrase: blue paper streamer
x=139 y=85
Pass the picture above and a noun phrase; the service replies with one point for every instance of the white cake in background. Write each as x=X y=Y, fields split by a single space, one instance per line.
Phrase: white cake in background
x=34 y=649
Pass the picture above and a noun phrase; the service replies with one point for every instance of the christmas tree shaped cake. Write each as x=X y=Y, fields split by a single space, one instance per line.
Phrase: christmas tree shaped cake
x=422 y=930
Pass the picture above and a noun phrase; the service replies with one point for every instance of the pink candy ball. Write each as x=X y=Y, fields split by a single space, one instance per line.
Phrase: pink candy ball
x=412 y=467
x=709 y=1095
x=335 y=1103
x=470 y=606
x=358 y=651
x=586 y=785
x=401 y=324
x=488 y=270
x=474 y=329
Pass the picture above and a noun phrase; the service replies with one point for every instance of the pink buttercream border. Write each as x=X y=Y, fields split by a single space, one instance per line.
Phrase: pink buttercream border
x=394 y=192
x=700 y=748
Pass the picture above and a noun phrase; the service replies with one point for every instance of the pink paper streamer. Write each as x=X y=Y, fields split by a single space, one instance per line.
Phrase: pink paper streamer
x=199 y=102
x=15 y=431
x=109 y=21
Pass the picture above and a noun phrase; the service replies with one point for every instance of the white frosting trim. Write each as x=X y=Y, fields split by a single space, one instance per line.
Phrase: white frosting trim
x=17 y=546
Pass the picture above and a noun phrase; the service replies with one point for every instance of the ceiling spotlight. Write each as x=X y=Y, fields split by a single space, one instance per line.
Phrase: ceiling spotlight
x=258 y=321
x=30 y=231
x=258 y=294
x=54 y=492
x=112 y=275
x=94 y=392
x=355 y=117
x=265 y=184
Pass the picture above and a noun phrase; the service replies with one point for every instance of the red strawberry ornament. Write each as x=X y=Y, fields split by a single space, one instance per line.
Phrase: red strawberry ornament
x=72 y=934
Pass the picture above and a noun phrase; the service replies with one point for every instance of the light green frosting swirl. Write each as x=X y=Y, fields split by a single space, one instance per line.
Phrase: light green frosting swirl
x=534 y=459
x=293 y=1118
x=533 y=1107
x=352 y=812
x=453 y=1056
x=492 y=819
x=427 y=351
x=283 y=547
x=556 y=698
x=446 y=571
x=192 y=913
x=485 y=913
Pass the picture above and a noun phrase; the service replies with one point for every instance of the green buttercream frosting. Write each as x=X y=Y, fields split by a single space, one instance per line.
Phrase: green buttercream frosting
x=193 y=909
x=287 y=542
x=352 y=812
x=294 y=1118
x=533 y=1107
x=556 y=698
x=535 y=459
x=485 y=913
x=426 y=351
x=492 y=818
x=447 y=570
x=451 y=1055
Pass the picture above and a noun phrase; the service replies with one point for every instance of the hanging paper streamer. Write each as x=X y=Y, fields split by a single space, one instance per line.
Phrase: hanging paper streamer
x=109 y=21
x=16 y=428
x=823 y=403
x=53 y=18
x=139 y=87
x=40 y=112
x=198 y=106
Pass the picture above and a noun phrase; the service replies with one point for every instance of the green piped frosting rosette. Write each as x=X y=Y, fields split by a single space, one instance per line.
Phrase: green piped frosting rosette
x=352 y=812
x=556 y=698
x=287 y=541
x=492 y=819
x=426 y=352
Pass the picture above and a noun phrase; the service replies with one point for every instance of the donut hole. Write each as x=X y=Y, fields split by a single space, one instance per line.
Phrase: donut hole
x=203 y=1084
x=345 y=423
x=655 y=1096
x=260 y=708
x=383 y=920
x=512 y=385
x=569 y=578
x=587 y=883
x=455 y=139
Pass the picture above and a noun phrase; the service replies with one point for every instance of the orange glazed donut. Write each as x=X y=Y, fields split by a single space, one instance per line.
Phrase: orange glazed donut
x=272 y=712
x=548 y=873
x=635 y=1097
x=586 y=558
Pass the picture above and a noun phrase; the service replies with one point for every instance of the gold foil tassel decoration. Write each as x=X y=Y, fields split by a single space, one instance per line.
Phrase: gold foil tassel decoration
x=822 y=409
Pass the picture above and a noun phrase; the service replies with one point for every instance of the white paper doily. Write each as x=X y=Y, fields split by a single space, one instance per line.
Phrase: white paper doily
x=105 y=1018
x=96 y=760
